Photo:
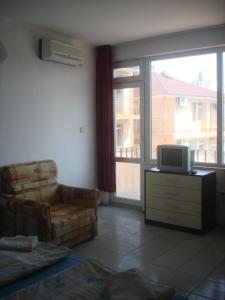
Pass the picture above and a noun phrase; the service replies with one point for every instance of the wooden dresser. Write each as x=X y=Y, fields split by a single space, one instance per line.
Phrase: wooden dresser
x=181 y=201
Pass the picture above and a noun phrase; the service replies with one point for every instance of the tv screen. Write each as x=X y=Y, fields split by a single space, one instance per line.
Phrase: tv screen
x=172 y=157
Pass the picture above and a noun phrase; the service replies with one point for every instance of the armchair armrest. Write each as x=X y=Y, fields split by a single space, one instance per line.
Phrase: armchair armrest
x=28 y=217
x=7 y=215
x=79 y=196
x=7 y=202
x=39 y=209
x=34 y=218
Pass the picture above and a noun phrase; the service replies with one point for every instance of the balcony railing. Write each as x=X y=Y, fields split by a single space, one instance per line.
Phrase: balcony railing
x=201 y=156
x=205 y=156
x=132 y=108
x=128 y=152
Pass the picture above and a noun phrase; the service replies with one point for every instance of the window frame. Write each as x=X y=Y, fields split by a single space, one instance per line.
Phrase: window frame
x=127 y=64
x=131 y=82
x=220 y=106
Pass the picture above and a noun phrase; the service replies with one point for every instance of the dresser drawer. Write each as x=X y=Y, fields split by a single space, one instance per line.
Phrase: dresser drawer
x=175 y=193
x=173 y=180
x=173 y=218
x=174 y=206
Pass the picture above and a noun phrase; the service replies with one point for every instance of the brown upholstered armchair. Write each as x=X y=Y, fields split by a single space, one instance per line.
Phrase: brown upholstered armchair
x=33 y=203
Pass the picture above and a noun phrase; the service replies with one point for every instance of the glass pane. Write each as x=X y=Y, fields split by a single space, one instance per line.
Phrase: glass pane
x=184 y=104
x=128 y=180
x=127 y=122
x=126 y=72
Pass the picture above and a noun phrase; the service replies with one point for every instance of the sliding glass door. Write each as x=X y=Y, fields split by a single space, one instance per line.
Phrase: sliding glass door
x=128 y=99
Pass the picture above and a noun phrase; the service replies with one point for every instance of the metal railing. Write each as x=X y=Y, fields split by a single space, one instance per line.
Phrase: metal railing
x=128 y=152
x=203 y=156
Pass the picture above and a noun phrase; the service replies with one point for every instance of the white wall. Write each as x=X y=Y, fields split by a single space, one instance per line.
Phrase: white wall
x=175 y=42
x=43 y=105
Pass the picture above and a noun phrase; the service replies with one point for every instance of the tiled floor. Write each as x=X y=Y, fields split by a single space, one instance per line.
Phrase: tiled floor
x=194 y=265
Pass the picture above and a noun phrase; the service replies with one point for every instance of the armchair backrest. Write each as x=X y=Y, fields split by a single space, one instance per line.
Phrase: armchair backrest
x=34 y=180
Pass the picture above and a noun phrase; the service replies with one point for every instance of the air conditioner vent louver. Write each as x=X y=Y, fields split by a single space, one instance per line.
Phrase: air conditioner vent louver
x=60 y=52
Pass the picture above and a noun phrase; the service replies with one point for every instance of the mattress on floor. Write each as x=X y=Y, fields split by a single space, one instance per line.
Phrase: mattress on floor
x=74 y=277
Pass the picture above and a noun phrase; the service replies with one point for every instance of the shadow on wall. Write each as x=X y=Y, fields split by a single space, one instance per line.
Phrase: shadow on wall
x=220 y=194
x=220 y=199
x=3 y=52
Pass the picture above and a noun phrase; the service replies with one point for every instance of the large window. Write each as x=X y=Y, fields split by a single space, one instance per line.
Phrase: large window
x=184 y=104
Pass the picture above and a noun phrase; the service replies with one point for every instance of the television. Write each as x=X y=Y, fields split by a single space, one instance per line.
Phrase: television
x=174 y=158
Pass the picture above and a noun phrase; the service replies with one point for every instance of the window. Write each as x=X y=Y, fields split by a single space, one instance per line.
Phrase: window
x=127 y=121
x=126 y=72
x=197 y=111
x=128 y=91
x=183 y=102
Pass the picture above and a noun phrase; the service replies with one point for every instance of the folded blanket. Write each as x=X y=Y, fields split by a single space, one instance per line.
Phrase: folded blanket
x=15 y=265
x=19 y=243
x=131 y=285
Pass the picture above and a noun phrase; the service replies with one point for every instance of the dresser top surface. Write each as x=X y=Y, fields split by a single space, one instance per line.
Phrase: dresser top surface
x=195 y=172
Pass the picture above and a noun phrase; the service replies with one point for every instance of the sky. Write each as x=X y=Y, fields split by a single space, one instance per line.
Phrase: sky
x=188 y=68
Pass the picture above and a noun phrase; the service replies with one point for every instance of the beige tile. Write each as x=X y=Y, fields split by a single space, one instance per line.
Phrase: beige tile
x=159 y=286
x=125 y=242
x=181 y=250
x=172 y=237
x=196 y=269
x=113 y=235
x=194 y=243
x=128 y=262
x=211 y=289
x=149 y=252
x=123 y=248
x=157 y=245
x=182 y=281
x=217 y=245
x=135 y=240
x=209 y=256
x=197 y=297
x=217 y=232
x=102 y=243
x=156 y=273
x=171 y=261
x=219 y=273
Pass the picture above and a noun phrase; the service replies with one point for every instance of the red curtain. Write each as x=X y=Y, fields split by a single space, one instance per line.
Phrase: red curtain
x=104 y=120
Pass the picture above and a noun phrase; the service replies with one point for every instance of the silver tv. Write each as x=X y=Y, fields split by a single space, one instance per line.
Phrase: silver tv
x=174 y=158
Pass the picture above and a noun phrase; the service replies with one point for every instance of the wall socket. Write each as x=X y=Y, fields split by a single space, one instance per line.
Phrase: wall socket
x=81 y=129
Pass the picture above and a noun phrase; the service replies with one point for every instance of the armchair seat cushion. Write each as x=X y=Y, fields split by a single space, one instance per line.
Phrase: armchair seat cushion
x=66 y=218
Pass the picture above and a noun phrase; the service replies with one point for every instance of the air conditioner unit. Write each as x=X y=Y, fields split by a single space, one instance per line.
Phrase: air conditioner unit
x=61 y=52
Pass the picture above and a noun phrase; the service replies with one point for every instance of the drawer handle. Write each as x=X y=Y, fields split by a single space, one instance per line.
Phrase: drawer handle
x=172 y=205
x=172 y=194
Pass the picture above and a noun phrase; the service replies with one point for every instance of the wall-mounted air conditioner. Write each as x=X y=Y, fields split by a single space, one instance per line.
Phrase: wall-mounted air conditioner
x=61 y=52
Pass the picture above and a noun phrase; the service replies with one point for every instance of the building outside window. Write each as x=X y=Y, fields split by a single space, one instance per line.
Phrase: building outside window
x=183 y=98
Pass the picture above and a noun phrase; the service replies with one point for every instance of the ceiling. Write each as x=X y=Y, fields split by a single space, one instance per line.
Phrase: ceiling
x=114 y=21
